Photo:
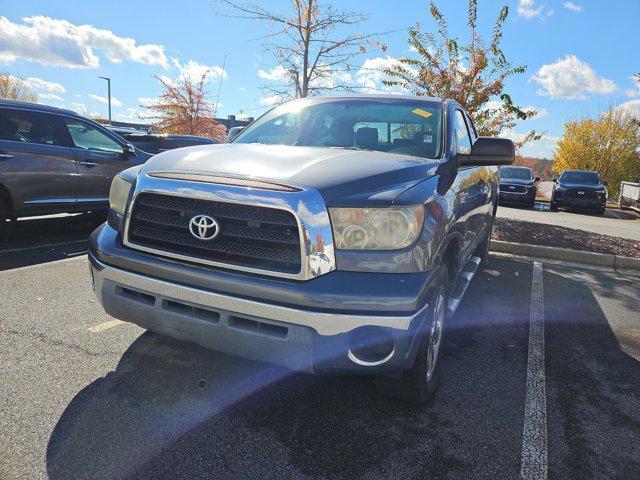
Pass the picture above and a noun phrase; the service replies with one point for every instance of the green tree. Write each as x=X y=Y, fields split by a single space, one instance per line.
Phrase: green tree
x=472 y=73
x=608 y=144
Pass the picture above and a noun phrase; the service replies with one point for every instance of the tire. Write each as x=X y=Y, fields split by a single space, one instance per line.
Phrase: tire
x=419 y=384
x=553 y=207
x=4 y=215
x=600 y=211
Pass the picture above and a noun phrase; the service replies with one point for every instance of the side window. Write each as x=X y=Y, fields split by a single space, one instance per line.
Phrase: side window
x=464 y=142
x=472 y=129
x=87 y=137
x=30 y=127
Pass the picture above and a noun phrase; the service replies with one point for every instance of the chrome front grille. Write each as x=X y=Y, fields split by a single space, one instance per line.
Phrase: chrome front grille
x=251 y=236
x=507 y=188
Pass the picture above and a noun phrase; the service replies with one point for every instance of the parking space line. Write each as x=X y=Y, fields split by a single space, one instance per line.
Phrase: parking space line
x=534 y=461
x=104 y=326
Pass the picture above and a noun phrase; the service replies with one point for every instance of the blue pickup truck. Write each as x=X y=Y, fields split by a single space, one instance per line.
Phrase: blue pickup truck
x=332 y=235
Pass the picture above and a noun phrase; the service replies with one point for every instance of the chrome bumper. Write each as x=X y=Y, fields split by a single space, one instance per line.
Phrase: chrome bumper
x=323 y=323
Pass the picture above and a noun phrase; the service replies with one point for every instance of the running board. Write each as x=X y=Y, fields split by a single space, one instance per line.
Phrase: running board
x=462 y=282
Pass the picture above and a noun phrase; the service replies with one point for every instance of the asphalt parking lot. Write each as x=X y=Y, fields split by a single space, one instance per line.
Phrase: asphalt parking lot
x=84 y=396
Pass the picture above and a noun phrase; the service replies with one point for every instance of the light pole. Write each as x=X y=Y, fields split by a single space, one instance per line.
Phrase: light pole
x=108 y=94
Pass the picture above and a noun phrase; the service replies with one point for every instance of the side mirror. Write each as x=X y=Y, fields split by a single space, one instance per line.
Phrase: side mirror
x=537 y=179
x=555 y=180
x=605 y=183
x=490 y=151
x=129 y=150
x=233 y=133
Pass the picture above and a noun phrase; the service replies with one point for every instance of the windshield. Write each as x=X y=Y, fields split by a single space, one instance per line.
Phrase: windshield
x=580 y=177
x=517 y=173
x=410 y=127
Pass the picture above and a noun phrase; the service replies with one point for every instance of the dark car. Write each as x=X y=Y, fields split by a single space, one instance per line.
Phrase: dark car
x=579 y=189
x=333 y=235
x=55 y=161
x=156 y=143
x=518 y=186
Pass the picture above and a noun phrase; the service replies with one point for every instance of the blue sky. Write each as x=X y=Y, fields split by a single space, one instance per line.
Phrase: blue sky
x=580 y=54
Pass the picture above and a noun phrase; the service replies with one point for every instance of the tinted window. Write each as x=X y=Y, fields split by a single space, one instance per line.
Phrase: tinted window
x=464 y=142
x=517 y=173
x=88 y=137
x=580 y=177
x=363 y=123
x=31 y=127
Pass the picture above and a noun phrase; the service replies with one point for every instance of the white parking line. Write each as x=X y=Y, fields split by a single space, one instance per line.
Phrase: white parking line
x=104 y=326
x=534 y=436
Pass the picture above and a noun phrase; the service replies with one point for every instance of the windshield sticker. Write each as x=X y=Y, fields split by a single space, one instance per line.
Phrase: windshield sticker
x=422 y=113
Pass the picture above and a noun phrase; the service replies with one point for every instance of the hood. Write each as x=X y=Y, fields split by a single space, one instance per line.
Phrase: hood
x=343 y=177
x=582 y=186
x=516 y=181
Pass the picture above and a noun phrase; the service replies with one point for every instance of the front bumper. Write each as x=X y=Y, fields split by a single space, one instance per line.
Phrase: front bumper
x=570 y=202
x=517 y=198
x=311 y=338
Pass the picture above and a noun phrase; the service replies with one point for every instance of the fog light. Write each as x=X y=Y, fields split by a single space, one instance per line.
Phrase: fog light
x=371 y=346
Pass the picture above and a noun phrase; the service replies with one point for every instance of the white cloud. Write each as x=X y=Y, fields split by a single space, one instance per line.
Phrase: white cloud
x=50 y=96
x=43 y=85
x=634 y=92
x=528 y=9
x=59 y=42
x=276 y=74
x=134 y=115
x=194 y=70
x=574 y=7
x=83 y=110
x=631 y=107
x=147 y=101
x=104 y=100
x=371 y=75
x=542 y=148
x=271 y=100
x=540 y=112
x=570 y=78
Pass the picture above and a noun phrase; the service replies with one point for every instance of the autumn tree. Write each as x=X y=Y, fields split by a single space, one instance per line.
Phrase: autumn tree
x=608 y=144
x=15 y=88
x=472 y=73
x=311 y=46
x=182 y=108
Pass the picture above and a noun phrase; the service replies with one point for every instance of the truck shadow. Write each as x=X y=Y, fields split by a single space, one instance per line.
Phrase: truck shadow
x=175 y=410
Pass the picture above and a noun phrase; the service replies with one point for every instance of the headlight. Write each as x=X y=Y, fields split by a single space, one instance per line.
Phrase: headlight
x=119 y=193
x=389 y=228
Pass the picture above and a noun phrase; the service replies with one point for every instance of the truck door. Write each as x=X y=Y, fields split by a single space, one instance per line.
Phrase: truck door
x=36 y=164
x=473 y=188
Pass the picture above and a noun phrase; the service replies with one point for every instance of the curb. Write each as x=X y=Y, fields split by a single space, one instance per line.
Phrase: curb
x=564 y=254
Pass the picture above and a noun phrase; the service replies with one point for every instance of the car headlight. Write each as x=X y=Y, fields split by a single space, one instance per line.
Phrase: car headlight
x=389 y=228
x=119 y=193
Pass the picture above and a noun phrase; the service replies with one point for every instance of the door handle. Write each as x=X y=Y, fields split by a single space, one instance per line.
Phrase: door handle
x=89 y=164
x=5 y=156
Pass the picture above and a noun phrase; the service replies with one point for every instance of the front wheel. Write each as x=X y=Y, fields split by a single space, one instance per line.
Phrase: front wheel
x=553 y=207
x=420 y=383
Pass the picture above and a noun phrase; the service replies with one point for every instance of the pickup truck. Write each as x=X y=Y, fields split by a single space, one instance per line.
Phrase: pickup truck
x=333 y=235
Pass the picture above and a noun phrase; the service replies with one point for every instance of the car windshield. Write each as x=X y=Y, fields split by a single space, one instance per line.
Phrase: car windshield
x=411 y=127
x=580 y=177
x=517 y=173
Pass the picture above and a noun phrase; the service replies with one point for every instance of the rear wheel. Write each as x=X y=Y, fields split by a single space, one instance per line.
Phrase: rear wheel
x=553 y=207
x=4 y=215
x=600 y=211
x=419 y=384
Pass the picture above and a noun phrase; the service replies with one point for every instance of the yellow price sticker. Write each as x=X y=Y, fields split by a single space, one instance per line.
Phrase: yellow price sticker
x=422 y=113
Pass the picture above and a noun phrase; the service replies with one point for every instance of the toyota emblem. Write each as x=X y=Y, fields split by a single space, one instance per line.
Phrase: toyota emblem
x=204 y=227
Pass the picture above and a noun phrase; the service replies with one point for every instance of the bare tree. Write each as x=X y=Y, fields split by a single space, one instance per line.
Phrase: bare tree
x=311 y=47
x=15 y=88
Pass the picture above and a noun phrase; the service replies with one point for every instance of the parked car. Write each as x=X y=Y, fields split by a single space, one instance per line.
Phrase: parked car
x=579 y=189
x=154 y=143
x=518 y=186
x=123 y=130
x=334 y=235
x=55 y=161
